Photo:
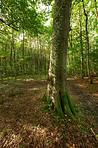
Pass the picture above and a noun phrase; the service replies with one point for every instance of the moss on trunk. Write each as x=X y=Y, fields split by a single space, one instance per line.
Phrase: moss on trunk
x=65 y=105
x=68 y=106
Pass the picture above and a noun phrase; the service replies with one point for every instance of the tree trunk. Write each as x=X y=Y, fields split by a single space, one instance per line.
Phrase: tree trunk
x=96 y=10
x=23 y=55
x=68 y=63
x=5 y=61
x=81 y=44
x=87 y=40
x=11 y=52
x=56 y=89
x=71 y=45
x=14 y=62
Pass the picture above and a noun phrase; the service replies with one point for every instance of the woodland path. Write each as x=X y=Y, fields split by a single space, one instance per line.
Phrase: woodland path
x=86 y=98
x=26 y=121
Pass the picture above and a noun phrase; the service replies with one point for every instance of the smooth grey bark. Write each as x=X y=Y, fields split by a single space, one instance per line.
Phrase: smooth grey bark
x=56 y=88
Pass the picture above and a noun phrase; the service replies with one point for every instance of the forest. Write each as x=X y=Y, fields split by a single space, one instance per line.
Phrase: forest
x=48 y=74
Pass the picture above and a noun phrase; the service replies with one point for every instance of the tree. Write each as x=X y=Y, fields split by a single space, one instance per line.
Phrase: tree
x=81 y=42
x=28 y=17
x=87 y=39
x=96 y=10
x=57 y=89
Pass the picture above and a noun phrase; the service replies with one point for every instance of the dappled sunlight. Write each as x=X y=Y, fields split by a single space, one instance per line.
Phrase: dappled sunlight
x=85 y=85
x=95 y=94
x=28 y=80
x=42 y=42
x=23 y=123
x=34 y=89
x=10 y=140
x=26 y=123
x=81 y=85
x=30 y=135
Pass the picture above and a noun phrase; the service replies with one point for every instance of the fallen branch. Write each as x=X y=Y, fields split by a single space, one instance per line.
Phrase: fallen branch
x=94 y=134
x=7 y=24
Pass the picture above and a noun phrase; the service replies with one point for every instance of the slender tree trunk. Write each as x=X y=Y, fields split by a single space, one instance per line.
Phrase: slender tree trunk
x=40 y=53
x=5 y=61
x=45 y=67
x=1 y=67
x=17 y=60
x=96 y=10
x=14 y=61
x=56 y=88
x=68 y=63
x=33 y=62
x=34 y=58
x=23 y=54
x=71 y=45
x=38 y=57
x=0 y=61
x=11 y=52
x=72 y=53
x=81 y=44
x=87 y=39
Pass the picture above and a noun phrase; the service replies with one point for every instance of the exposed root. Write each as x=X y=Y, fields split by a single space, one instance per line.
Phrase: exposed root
x=64 y=105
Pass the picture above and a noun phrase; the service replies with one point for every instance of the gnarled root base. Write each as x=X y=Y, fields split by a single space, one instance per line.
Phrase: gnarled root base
x=64 y=105
x=67 y=105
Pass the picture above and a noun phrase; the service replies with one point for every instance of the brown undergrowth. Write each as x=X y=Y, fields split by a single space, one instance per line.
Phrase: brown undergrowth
x=27 y=122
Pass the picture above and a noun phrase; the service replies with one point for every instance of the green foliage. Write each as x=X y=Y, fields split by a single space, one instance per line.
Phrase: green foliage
x=47 y=2
x=3 y=86
x=5 y=132
x=74 y=47
x=65 y=138
x=85 y=129
x=33 y=124
x=28 y=18
x=50 y=141
x=31 y=44
x=1 y=101
x=44 y=98
x=45 y=108
x=14 y=82
x=12 y=90
x=48 y=103
x=21 y=145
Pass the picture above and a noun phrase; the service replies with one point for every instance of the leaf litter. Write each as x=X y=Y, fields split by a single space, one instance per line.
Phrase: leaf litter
x=25 y=125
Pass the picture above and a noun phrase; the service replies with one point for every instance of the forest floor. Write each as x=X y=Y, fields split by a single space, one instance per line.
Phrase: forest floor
x=27 y=122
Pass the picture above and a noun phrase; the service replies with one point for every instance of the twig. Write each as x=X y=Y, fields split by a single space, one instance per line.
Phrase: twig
x=94 y=134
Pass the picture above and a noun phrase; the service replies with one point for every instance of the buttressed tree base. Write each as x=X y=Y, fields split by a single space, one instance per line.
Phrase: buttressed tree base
x=57 y=89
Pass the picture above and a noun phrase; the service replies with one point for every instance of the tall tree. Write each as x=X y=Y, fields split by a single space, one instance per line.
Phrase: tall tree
x=56 y=89
x=96 y=10
x=87 y=39
x=81 y=42
x=11 y=52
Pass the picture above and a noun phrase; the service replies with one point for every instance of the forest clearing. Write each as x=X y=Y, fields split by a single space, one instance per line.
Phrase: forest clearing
x=48 y=74
x=28 y=122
